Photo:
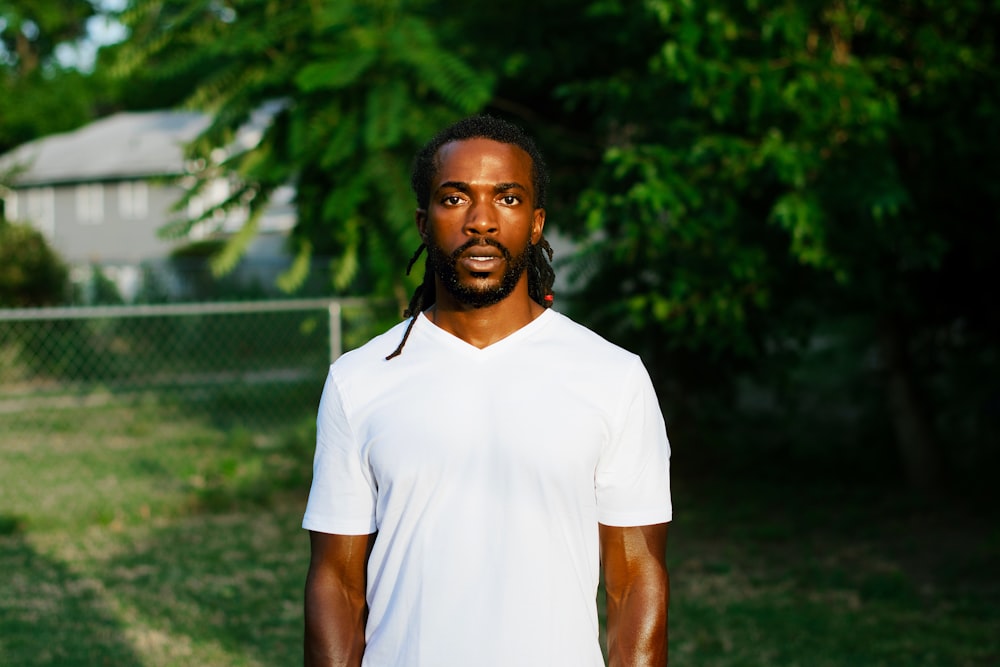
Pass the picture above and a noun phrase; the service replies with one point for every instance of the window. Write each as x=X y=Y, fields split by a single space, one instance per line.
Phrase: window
x=40 y=210
x=90 y=203
x=133 y=200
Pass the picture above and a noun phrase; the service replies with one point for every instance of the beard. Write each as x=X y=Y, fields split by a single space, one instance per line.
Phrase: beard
x=476 y=295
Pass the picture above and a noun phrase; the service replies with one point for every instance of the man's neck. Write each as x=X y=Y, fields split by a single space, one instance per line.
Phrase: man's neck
x=481 y=327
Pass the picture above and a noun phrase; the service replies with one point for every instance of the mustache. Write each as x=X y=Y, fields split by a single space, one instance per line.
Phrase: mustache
x=481 y=241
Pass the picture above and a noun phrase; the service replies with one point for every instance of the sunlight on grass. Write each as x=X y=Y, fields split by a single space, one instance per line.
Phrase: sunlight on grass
x=146 y=536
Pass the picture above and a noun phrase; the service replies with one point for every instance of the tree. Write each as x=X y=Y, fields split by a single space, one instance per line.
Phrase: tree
x=773 y=157
x=31 y=273
x=37 y=95
x=30 y=31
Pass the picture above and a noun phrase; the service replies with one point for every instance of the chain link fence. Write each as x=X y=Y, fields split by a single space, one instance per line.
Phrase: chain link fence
x=254 y=365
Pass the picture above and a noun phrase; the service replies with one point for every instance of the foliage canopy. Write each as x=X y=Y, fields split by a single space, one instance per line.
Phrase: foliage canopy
x=741 y=179
x=31 y=273
x=38 y=96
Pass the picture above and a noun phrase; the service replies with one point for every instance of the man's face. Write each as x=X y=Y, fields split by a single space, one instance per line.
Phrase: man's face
x=481 y=220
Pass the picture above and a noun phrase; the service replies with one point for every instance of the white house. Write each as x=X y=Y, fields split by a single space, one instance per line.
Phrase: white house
x=101 y=193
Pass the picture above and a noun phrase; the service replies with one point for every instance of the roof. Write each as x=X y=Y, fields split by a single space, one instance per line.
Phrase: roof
x=124 y=145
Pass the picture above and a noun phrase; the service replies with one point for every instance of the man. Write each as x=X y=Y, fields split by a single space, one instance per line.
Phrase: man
x=477 y=465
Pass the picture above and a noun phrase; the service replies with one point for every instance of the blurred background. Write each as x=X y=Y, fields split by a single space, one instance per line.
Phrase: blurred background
x=788 y=209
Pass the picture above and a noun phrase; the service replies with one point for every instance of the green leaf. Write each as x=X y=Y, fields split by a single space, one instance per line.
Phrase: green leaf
x=293 y=278
x=334 y=74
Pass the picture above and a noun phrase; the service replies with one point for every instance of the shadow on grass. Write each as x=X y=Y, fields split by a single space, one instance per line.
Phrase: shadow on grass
x=229 y=585
x=826 y=574
x=246 y=473
x=211 y=573
x=50 y=615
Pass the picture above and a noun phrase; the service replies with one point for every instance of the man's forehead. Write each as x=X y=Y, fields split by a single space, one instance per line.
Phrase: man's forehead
x=464 y=153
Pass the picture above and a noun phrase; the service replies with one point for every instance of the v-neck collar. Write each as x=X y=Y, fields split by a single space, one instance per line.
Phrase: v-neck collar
x=427 y=328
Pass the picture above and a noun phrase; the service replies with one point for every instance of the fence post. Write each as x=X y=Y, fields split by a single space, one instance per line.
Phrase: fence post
x=335 y=333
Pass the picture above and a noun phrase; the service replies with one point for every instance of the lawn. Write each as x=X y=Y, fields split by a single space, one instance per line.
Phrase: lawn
x=151 y=535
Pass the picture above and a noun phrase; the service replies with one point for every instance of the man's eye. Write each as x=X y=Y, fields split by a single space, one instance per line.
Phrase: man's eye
x=510 y=200
x=452 y=200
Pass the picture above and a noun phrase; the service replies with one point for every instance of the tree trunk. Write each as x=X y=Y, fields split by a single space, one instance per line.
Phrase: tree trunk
x=915 y=440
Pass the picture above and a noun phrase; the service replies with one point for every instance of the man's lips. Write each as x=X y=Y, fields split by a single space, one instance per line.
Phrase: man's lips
x=481 y=259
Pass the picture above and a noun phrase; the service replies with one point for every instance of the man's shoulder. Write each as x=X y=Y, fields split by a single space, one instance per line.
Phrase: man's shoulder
x=372 y=353
x=571 y=332
x=584 y=347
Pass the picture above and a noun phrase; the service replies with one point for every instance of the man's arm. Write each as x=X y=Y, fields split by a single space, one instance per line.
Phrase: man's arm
x=335 y=599
x=638 y=590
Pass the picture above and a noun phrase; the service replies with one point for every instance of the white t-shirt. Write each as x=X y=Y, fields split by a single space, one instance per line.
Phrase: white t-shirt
x=485 y=473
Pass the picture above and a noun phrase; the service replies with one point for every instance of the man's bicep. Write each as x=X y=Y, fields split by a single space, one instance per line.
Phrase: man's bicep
x=638 y=592
x=632 y=553
x=343 y=557
x=335 y=607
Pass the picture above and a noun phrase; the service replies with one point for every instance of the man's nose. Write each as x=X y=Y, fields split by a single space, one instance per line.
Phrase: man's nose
x=481 y=218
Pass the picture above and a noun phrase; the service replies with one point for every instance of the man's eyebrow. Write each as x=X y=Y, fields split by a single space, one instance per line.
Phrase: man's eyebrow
x=461 y=186
x=504 y=187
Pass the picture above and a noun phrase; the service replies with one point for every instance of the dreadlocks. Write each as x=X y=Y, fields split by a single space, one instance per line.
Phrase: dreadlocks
x=540 y=273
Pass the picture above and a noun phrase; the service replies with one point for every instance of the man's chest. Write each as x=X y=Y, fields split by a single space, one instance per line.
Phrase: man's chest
x=488 y=425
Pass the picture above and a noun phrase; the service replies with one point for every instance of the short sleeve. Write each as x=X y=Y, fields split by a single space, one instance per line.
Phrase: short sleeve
x=342 y=497
x=632 y=480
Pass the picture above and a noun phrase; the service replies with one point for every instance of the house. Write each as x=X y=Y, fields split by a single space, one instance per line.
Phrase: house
x=101 y=193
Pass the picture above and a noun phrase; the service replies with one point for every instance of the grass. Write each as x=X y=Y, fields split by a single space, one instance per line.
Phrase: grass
x=141 y=536
x=155 y=535
x=814 y=575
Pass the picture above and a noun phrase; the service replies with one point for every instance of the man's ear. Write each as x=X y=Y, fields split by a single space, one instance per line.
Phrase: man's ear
x=537 y=225
x=420 y=217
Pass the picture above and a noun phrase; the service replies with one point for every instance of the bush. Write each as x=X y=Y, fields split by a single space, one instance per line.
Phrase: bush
x=31 y=273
